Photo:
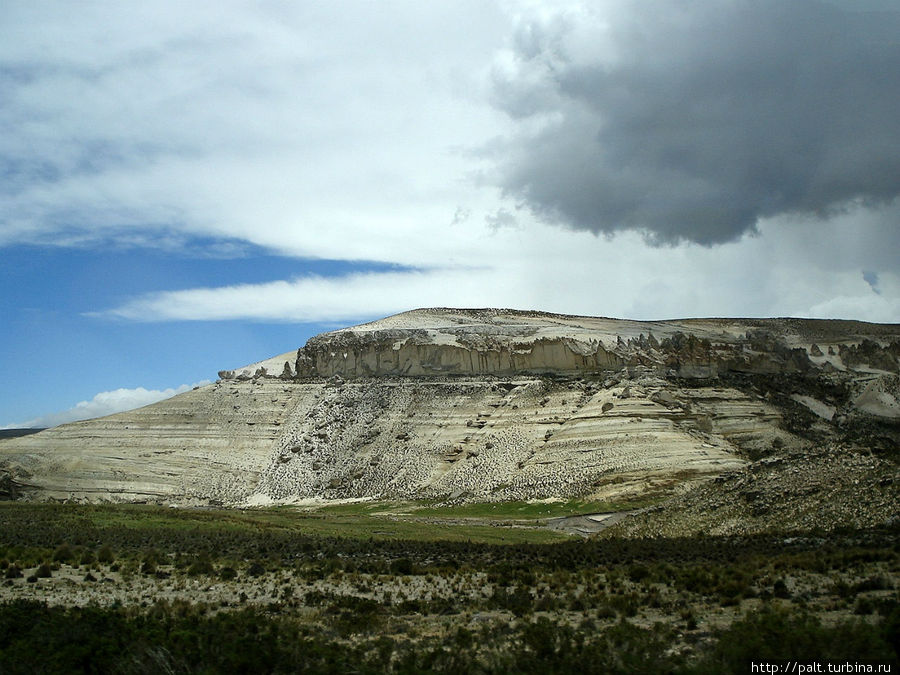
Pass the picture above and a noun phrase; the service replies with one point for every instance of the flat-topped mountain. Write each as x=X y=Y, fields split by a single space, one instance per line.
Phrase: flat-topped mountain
x=437 y=342
x=486 y=405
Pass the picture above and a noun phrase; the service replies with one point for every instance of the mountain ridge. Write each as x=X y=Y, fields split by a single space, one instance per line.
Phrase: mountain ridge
x=484 y=405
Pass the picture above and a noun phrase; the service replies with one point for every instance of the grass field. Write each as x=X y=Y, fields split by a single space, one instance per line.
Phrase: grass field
x=494 y=511
x=376 y=587
x=355 y=521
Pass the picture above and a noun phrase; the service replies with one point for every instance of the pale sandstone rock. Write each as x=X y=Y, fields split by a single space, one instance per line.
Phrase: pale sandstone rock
x=467 y=404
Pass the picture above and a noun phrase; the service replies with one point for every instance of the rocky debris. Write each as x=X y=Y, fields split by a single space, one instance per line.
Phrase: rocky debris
x=822 y=467
x=879 y=396
x=871 y=354
x=807 y=489
x=9 y=488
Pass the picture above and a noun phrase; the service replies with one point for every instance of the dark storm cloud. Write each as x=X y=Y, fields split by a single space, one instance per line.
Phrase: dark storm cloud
x=871 y=278
x=692 y=120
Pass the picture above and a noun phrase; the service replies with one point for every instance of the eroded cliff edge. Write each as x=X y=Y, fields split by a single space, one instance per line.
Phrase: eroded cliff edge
x=447 y=342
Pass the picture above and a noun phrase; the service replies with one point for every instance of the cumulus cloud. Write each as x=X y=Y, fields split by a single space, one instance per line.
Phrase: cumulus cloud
x=106 y=403
x=692 y=121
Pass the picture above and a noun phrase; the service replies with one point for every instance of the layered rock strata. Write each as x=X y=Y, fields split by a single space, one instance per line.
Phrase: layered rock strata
x=476 y=405
x=440 y=342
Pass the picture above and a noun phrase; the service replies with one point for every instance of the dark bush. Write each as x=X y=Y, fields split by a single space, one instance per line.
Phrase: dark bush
x=150 y=560
x=401 y=567
x=518 y=600
x=780 y=589
x=105 y=555
x=777 y=635
x=64 y=553
x=201 y=565
x=638 y=573
x=876 y=583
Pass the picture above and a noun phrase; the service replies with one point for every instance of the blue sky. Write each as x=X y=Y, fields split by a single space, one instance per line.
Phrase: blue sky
x=51 y=338
x=187 y=188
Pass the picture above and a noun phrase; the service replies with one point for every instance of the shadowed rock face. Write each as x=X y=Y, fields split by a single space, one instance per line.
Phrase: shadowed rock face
x=479 y=405
x=415 y=353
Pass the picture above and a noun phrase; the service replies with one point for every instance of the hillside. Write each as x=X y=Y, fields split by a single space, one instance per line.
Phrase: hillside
x=493 y=405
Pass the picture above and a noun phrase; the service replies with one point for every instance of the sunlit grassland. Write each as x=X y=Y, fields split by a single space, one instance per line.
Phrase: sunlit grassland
x=491 y=511
x=354 y=521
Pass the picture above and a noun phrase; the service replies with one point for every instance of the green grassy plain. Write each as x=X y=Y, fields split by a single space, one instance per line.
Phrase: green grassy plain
x=375 y=587
x=361 y=520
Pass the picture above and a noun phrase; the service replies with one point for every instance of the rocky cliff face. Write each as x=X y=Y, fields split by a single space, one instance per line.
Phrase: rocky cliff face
x=442 y=342
x=483 y=405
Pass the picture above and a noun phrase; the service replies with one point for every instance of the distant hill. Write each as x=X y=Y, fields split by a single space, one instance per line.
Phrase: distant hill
x=15 y=433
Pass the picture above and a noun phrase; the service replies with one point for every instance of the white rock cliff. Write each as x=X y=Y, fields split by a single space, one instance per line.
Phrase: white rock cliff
x=475 y=405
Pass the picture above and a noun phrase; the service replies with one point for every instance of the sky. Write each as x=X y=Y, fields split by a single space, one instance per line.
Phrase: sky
x=192 y=187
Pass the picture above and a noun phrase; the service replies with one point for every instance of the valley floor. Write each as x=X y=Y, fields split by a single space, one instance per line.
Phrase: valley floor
x=149 y=589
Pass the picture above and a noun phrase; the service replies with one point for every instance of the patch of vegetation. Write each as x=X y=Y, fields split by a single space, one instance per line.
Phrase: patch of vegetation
x=777 y=635
x=182 y=638
x=263 y=593
x=529 y=510
x=85 y=522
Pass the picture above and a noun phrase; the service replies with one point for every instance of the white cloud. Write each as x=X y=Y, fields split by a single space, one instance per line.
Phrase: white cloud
x=320 y=133
x=312 y=298
x=782 y=271
x=106 y=403
x=352 y=134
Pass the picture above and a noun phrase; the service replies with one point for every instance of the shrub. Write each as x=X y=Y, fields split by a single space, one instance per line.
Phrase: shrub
x=518 y=600
x=64 y=553
x=779 y=635
x=780 y=589
x=876 y=583
x=105 y=555
x=151 y=559
x=864 y=606
x=401 y=567
x=638 y=573
x=200 y=566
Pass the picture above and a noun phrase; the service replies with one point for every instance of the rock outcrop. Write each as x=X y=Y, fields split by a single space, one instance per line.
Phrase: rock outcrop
x=447 y=342
x=480 y=405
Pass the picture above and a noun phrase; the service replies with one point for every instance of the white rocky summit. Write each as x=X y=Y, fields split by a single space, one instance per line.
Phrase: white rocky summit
x=484 y=405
